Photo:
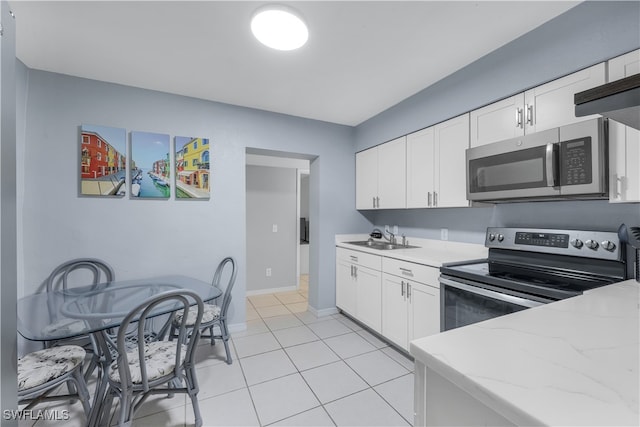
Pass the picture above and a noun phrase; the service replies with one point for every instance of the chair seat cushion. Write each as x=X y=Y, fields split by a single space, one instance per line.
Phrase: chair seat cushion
x=159 y=358
x=210 y=313
x=42 y=366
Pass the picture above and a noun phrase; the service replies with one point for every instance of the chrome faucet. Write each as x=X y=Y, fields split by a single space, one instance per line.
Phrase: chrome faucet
x=391 y=239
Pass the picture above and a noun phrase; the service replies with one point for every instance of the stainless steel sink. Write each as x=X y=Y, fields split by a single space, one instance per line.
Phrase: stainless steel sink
x=381 y=245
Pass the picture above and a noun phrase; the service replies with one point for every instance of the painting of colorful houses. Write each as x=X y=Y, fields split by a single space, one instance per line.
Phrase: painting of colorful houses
x=102 y=161
x=150 y=166
x=192 y=168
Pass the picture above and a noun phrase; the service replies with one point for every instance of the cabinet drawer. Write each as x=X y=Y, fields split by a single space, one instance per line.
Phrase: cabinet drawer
x=412 y=271
x=361 y=258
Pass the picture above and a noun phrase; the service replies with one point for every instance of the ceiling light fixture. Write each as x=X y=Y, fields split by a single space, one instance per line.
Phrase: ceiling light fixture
x=279 y=27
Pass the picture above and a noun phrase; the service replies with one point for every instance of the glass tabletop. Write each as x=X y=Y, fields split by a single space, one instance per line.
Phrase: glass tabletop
x=50 y=316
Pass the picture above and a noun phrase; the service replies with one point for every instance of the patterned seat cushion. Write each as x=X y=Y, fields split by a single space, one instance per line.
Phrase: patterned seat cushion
x=159 y=358
x=42 y=366
x=210 y=313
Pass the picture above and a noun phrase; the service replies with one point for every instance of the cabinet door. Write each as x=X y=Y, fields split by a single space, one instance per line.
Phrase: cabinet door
x=424 y=311
x=420 y=174
x=366 y=178
x=624 y=65
x=501 y=120
x=392 y=174
x=624 y=141
x=552 y=104
x=395 y=314
x=369 y=297
x=345 y=287
x=451 y=141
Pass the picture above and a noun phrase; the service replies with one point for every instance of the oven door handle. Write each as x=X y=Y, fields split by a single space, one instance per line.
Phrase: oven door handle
x=491 y=294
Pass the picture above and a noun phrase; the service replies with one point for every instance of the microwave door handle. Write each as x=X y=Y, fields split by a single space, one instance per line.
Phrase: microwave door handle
x=551 y=159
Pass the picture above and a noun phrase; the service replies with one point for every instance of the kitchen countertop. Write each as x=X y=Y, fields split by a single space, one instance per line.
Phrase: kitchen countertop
x=572 y=362
x=429 y=252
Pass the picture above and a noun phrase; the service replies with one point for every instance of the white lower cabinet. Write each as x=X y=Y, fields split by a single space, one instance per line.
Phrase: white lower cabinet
x=359 y=286
x=410 y=301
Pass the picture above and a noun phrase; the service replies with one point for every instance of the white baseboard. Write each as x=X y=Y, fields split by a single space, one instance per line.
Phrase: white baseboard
x=237 y=327
x=272 y=290
x=323 y=312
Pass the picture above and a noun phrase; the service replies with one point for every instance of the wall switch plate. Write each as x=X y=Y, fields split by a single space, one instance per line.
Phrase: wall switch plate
x=268 y=272
x=275 y=228
x=444 y=234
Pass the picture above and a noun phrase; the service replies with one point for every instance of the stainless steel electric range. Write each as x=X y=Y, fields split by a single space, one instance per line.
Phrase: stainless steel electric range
x=527 y=267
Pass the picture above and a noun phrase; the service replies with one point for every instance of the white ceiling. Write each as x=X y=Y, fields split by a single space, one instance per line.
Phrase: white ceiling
x=362 y=57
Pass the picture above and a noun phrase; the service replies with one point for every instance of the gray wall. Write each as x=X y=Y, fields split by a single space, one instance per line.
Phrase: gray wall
x=8 y=218
x=150 y=237
x=271 y=199
x=590 y=33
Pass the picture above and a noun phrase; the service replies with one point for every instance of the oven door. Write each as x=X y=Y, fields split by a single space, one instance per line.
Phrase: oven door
x=464 y=302
x=516 y=168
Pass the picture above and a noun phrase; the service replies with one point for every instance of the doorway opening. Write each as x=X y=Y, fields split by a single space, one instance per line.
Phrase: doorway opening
x=277 y=221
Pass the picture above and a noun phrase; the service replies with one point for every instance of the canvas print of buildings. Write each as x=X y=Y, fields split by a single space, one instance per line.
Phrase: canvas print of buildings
x=150 y=167
x=102 y=161
x=192 y=168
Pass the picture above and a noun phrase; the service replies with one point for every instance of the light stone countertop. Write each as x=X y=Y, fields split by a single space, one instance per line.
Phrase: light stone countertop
x=429 y=252
x=573 y=362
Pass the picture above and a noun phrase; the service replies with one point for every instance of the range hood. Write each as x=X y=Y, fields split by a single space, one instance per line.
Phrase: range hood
x=618 y=100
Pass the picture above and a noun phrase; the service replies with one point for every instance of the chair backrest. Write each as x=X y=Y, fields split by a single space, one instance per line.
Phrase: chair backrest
x=217 y=277
x=101 y=271
x=142 y=315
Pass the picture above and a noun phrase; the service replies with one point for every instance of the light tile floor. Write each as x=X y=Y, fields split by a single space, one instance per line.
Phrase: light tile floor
x=290 y=368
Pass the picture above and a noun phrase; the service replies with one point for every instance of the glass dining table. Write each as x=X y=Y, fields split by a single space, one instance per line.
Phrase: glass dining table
x=92 y=310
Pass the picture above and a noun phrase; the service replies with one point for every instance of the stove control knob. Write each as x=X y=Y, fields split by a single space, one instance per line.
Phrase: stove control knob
x=492 y=237
x=577 y=243
x=608 y=245
x=500 y=237
x=591 y=244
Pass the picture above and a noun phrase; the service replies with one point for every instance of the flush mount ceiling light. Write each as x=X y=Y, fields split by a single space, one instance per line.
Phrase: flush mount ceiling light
x=279 y=27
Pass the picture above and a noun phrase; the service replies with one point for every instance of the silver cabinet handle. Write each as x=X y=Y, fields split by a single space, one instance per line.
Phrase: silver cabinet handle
x=435 y=198
x=374 y=202
x=530 y=114
x=352 y=271
x=377 y=202
x=402 y=288
x=519 y=121
x=408 y=291
x=353 y=258
x=429 y=199
x=355 y=271
x=406 y=271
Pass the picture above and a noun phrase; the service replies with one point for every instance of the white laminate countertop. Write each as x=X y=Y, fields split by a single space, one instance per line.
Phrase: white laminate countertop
x=429 y=252
x=573 y=362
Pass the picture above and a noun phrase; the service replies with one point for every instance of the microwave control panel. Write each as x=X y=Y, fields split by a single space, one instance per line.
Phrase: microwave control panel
x=575 y=162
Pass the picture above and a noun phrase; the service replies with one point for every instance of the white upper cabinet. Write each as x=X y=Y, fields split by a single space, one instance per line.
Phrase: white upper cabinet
x=436 y=165
x=624 y=141
x=420 y=168
x=501 y=120
x=381 y=176
x=544 y=107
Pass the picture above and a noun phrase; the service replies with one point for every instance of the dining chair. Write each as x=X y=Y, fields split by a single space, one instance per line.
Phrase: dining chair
x=42 y=371
x=85 y=271
x=154 y=367
x=214 y=315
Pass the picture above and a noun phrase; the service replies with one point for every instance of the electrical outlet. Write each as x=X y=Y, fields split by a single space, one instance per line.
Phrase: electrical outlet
x=268 y=272
x=444 y=234
x=275 y=228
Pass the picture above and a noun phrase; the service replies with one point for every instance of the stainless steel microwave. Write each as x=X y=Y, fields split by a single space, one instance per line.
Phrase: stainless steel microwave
x=564 y=162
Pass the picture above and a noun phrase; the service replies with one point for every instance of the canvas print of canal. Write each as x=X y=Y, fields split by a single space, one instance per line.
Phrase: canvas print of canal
x=150 y=167
x=102 y=161
x=192 y=168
